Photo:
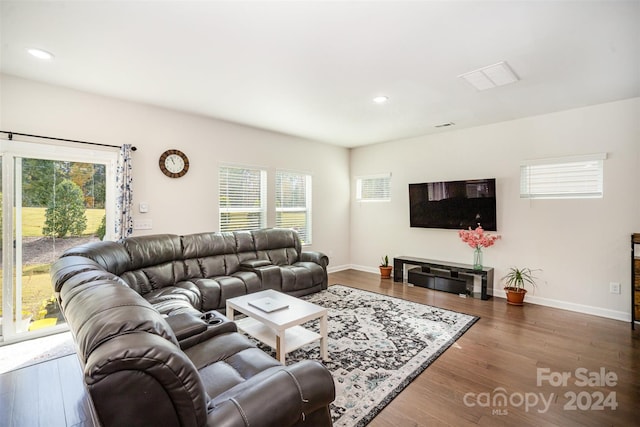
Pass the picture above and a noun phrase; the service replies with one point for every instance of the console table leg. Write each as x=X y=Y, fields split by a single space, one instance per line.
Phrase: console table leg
x=324 y=352
x=398 y=270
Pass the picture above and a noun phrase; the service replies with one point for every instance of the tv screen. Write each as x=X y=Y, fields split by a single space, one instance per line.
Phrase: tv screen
x=453 y=204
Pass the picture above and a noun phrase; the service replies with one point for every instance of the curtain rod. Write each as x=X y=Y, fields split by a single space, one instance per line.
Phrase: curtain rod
x=10 y=134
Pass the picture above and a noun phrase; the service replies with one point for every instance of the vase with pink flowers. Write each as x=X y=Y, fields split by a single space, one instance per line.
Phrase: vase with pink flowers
x=477 y=239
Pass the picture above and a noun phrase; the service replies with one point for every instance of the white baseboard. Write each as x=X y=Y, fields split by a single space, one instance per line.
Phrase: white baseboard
x=333 y=269
x=547 y=302
x=580 y=308
x=365 y=268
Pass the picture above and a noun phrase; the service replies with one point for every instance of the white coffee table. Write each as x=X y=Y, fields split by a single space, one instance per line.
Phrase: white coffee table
x=280 y=329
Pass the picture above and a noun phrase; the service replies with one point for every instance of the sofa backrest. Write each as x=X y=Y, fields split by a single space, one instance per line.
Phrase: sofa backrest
x=147 y=263
x=211 y=254
x=156 y=262
x=279 y=245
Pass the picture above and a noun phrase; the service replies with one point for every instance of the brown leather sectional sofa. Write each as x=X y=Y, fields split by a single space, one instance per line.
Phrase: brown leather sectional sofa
x=155 y=351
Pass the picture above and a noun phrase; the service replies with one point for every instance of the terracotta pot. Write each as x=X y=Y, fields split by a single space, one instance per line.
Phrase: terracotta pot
x=515 y=296
x=385 y=272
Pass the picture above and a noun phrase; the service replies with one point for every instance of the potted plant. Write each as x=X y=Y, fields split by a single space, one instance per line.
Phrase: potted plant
x=514 y=281
x=385 y=268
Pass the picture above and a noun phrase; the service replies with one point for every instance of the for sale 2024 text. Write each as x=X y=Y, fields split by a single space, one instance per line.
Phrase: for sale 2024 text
x=581 y=377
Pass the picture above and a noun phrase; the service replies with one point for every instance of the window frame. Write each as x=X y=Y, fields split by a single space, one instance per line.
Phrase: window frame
x=307 y=236
x=385 y=195
x=588 y=184
x=262 y=208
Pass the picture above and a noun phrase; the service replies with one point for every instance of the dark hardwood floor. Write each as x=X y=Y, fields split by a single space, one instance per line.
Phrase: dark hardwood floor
x=501 y=354
x=48 y=394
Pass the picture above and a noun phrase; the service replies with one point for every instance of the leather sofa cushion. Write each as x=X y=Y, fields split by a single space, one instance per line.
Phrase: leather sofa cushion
x=111 y=256
x=281 y=247
x=145 y=251
x=174 y=299
x=280 y=256
x=154 y=277
x=245 y=242
x=216 y=290
x=227 y=361
x=298 y=276
x=105 y=310
x=202 y=245
x=275 y=238
x=78 y=270
x=219 y=265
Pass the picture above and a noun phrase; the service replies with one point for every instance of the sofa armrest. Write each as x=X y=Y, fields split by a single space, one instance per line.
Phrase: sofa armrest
x=119 y=370
x=252 y=264
x=191 y=330
x=185 y=325
x=316 y=257
x=287 y=396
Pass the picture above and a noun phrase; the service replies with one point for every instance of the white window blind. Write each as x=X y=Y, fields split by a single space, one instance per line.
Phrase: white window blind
x=293 y=203
x=373 y=188
x=566 y=178
x=242 y=198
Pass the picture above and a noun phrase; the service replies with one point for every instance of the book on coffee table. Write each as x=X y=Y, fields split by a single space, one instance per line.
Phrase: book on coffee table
x=268 y=305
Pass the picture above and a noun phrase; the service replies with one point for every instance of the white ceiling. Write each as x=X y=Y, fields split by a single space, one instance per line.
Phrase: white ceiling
x=310 y=69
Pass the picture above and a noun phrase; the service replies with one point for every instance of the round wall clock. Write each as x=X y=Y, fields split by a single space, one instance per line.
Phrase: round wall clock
x=174 y=163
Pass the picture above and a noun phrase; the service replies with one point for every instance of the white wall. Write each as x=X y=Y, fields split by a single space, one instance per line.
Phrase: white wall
x=581 y=245
x=188 y=204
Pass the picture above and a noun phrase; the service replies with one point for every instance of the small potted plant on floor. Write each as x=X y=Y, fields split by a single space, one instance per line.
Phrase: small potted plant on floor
x=514 y=282
x=385 y=268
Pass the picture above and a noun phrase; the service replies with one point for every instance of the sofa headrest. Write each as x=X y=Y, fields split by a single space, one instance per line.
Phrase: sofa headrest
x=112 y=256
x=244 y=241
x=145 y=251
x=276 y=238
x=68 y=267
x=208 y=244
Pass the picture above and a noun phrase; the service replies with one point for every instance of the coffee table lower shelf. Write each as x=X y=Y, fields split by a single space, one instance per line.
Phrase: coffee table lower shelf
x=295 y=337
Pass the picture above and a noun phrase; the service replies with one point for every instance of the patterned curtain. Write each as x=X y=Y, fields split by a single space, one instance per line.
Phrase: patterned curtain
x=124 y=199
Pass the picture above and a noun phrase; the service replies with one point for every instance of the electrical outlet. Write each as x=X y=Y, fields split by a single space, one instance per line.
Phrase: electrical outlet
x=142 y=224
x=614 y=287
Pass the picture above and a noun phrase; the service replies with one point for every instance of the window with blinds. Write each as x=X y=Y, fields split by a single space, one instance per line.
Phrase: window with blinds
x=564 y=178
x=293 y=203
x=373 y=188
x=243 y=198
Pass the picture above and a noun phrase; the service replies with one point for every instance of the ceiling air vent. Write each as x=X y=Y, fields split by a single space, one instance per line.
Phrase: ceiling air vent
x=495 y=75
x=444 y=125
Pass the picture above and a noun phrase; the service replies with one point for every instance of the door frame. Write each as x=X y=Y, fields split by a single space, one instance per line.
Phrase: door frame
x=9 y=151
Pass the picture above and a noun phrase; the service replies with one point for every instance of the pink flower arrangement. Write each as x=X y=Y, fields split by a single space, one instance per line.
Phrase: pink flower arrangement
x=477 y=238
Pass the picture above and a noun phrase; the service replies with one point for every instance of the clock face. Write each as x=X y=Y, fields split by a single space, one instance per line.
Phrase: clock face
x=174 y=163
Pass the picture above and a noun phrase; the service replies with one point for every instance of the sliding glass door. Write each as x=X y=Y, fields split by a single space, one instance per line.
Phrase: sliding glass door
x=54 y=198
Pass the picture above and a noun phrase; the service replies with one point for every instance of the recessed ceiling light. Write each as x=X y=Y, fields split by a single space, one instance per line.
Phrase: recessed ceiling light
x=380 y=99
x=492 y=76
x=40 y=54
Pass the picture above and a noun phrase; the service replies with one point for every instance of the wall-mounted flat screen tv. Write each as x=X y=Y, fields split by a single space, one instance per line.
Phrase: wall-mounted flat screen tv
x=454 y=204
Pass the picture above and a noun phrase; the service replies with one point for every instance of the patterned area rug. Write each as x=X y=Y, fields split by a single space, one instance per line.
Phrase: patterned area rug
x=377 y=344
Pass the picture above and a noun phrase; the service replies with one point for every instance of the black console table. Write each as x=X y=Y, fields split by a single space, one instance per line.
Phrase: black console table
x=451 y=269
